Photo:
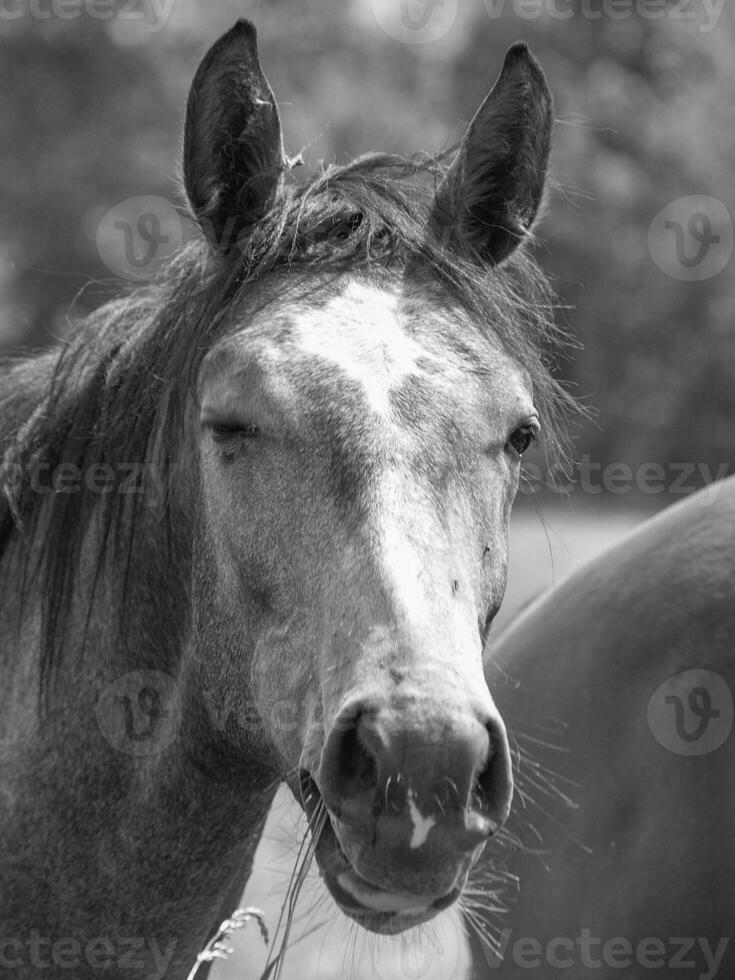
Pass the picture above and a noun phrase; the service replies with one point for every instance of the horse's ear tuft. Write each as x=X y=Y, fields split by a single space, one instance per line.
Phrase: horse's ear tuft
x=493 y=189
x=233 y=150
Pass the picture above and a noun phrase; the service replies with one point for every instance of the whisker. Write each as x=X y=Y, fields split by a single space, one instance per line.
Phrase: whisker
x=307 y=849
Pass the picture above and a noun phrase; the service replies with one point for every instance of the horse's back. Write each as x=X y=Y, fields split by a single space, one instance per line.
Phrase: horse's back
x=649 y=853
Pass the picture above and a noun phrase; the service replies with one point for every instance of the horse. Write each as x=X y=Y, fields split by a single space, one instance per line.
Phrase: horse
x=621 y=681
x=253 y=530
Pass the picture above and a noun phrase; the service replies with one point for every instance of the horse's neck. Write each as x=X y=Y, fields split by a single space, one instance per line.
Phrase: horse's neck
x=162 y=855
x=182 y=849
x=127 y=827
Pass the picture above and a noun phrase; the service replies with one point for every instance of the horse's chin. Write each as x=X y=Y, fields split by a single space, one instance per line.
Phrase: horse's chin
x=372 y=907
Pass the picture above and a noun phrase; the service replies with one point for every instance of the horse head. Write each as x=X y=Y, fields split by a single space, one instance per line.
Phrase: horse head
x=360 y=427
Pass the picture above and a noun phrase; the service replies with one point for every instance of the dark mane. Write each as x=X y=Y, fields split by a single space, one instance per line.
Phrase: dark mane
x=117 y=393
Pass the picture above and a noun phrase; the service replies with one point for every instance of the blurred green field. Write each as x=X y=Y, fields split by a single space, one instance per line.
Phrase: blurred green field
x=545 y=547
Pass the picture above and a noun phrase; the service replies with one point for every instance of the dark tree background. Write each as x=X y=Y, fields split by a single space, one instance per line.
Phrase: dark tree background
x=92 y=106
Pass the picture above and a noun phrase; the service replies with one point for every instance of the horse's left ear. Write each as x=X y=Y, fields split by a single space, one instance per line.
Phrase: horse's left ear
x=233 y=150
x=492 y=191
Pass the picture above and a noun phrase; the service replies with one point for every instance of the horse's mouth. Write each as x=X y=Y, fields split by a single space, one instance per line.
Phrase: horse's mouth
x=374 y=908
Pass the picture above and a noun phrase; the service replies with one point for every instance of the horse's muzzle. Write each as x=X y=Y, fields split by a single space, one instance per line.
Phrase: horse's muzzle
x=411 y=804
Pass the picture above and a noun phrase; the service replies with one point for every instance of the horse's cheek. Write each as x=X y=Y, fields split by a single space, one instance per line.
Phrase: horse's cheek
x=283 y=688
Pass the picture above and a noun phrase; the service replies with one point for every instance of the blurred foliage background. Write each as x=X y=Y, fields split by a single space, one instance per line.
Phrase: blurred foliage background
x=92 y=109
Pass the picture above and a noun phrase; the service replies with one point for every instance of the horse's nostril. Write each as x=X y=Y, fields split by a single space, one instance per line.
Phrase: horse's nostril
x=350 y=772
x=357 y=764
x=493 y=787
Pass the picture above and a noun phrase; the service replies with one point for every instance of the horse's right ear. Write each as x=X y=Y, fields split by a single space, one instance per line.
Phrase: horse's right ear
x=491 y=195
x=233 y=150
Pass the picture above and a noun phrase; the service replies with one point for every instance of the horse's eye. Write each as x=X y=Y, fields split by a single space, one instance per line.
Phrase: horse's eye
x=221 y=433
x=521 y=438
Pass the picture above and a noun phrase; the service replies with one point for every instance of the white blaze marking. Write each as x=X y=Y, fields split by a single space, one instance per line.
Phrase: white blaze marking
x=360 y=332
x=421 y=824
x=405 y=524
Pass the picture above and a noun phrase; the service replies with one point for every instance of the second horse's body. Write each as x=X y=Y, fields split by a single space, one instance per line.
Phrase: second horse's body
x=625 y=672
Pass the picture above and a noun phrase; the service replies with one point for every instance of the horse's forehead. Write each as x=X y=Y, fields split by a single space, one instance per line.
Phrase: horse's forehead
x=380 y=338
x=364 y=337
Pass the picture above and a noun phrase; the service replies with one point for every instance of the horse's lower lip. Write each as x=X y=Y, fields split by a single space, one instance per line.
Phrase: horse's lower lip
x=377 y=909
x=379 y=900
